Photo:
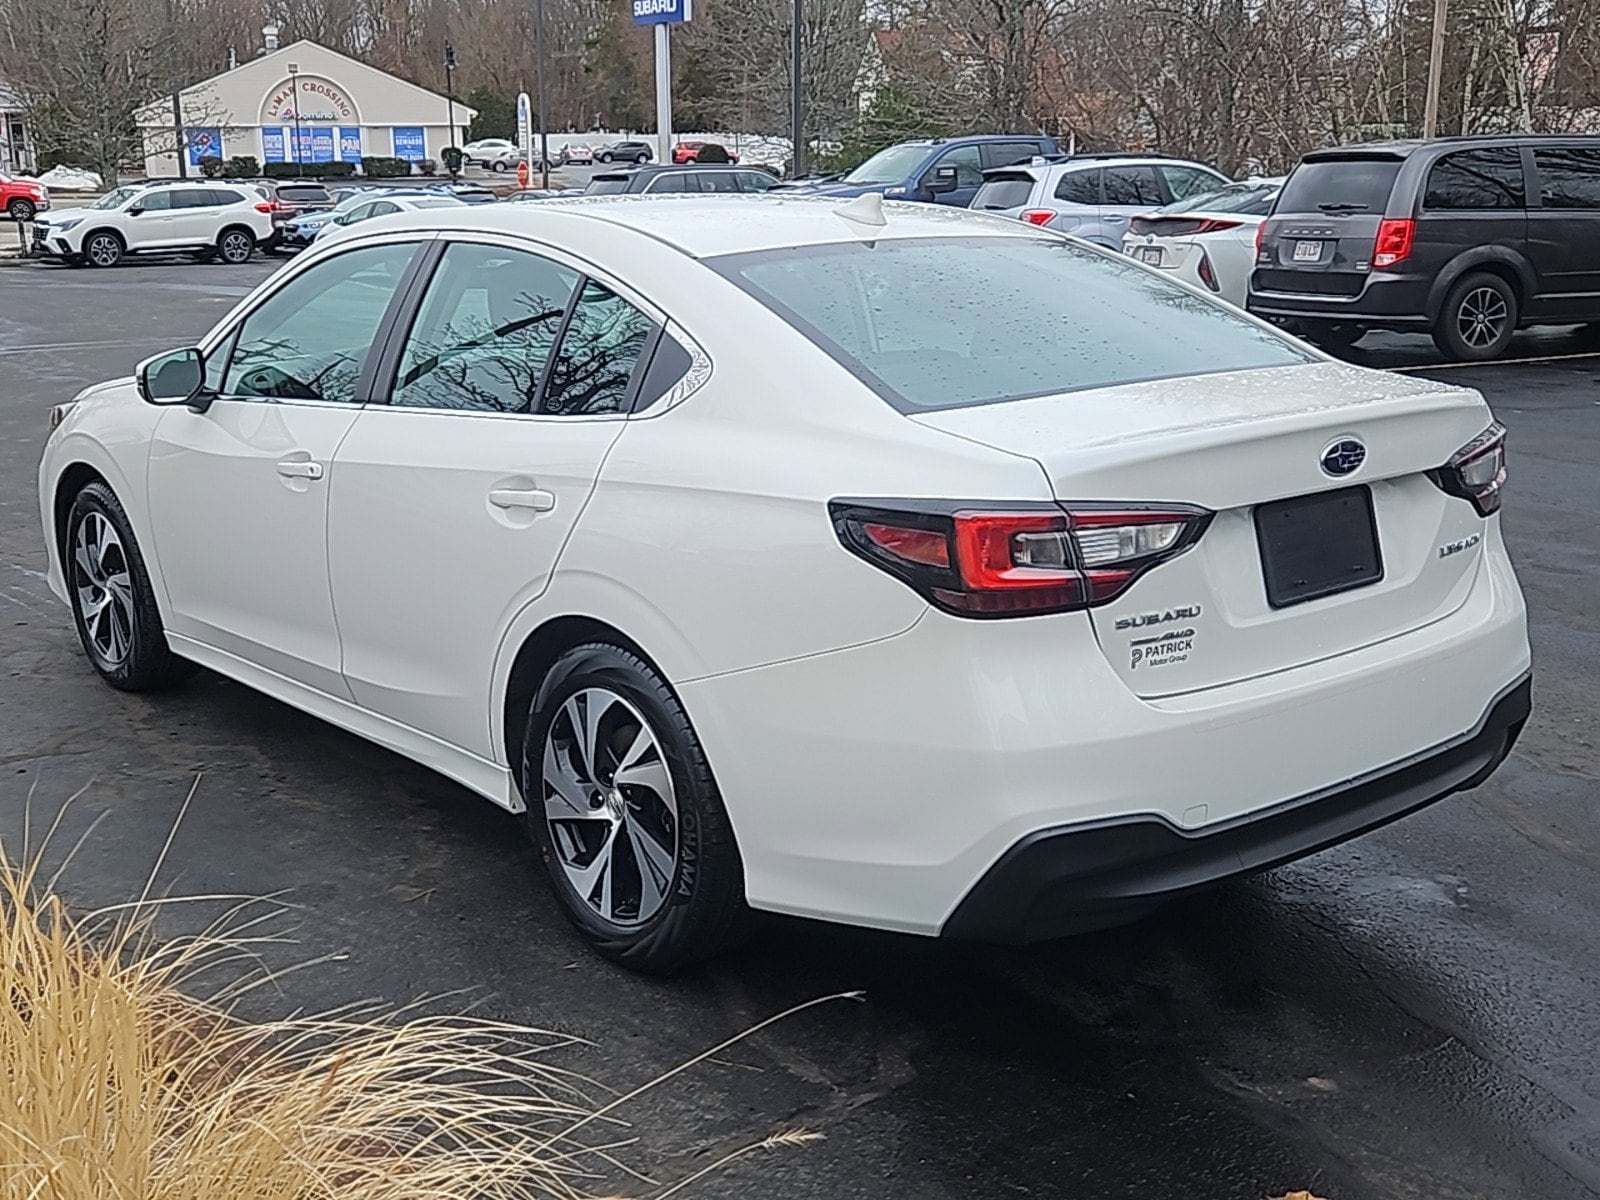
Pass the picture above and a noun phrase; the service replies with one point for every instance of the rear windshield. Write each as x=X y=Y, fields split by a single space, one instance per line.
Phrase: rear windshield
x=1250 y=199
x=954 y=322
x=303 y=193
x=1339 y=185
x=1003 y=191
x=606 y=185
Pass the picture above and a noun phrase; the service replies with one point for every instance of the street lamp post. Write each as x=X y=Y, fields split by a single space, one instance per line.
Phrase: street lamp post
x=294 y=91
x=450 y=97
x=544 y=124
x=177 y=99
x=797 y=97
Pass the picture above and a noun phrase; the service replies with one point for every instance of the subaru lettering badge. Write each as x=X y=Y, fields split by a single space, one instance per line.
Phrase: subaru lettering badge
x=1343 y=457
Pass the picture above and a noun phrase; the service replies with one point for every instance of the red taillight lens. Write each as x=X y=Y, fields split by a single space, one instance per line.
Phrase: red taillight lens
x=1180 y=226
x=1037 y=216
x=1394 y=242
x=1261 y=234
x=1016 y=561
x=264 y=207
x=1207 y=275
x=1476 y=472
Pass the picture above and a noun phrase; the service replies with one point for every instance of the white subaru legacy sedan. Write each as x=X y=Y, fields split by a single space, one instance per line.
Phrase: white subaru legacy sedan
x=891 y=566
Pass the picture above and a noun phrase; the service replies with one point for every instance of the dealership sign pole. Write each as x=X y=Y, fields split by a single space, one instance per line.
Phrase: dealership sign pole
x=662 y=14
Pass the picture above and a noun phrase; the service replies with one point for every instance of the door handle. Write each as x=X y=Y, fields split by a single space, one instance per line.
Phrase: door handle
x=1113 y=217
x=537 y=499
x=295 y=469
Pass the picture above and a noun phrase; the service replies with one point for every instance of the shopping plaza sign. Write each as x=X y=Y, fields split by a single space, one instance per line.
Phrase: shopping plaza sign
x=661 y=12
x=318 y=100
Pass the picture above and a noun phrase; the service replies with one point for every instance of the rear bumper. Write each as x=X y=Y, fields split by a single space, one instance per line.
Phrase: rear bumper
x=879 y=785
x=1062 y=881
x=1386 y=302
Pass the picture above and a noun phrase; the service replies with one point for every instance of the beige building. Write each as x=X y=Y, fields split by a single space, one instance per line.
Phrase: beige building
x=303 y=103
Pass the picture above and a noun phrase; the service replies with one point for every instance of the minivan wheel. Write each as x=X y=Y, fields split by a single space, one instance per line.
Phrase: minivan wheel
x=626 y=815
x=103 y=250
x=235 y=246
x=1478 y=318
x=113 y=604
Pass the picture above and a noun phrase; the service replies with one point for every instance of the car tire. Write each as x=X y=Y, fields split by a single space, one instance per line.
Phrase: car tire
x=1332 y=335
x=113 y=604
x=605 y=158
x=1478 y=318
x=642 y=159
x=21 y=209
x=692 y=906
x=235 y=245
x=103 y=249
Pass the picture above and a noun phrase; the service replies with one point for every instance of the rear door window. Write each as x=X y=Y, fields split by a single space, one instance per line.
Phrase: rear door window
x=1132 y=187
x=1340 y=185
x=1005 y=154
x=1000 y=192
x=1474 y=179
x=599 y=351
x=717 y=181
x=1568 y=177
x=1079 y=187
x=671 y=181
x=1184 y=182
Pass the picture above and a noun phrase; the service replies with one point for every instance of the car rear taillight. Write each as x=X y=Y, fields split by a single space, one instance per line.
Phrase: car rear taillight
x=1394 y=242
x=1476 y=472
x=1019 y=559
x=1038 y=216
x=266 y=207
x=1261 y=234
x=1207 y=275
x=1180 y=226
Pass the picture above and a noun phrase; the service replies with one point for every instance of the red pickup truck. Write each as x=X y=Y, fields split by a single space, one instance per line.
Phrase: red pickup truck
x=21 y=198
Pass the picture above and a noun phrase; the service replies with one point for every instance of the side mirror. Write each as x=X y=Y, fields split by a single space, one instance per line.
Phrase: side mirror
x=136 y=210
x=942 y=180
x=177 y=377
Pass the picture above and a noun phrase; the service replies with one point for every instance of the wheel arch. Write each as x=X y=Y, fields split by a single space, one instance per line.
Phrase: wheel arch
x=1493 y=260
x=122 y=238
x=532 y=661
x=77 y=475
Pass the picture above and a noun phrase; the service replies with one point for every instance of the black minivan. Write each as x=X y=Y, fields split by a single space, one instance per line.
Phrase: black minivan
x=1466 y=238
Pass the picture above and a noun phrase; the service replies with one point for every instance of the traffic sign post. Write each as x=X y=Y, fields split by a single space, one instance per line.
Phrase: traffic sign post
x=663 y=14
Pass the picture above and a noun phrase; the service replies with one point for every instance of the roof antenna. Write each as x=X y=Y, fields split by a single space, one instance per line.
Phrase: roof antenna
x=864 y=210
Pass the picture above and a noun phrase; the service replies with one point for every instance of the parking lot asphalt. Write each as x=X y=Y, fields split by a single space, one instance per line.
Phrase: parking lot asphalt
x=1415 y=1015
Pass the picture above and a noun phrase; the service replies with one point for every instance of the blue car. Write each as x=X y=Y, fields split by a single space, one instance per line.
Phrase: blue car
x=937 y=171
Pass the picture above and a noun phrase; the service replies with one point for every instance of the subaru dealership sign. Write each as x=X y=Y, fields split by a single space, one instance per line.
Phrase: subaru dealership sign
x=661 y=12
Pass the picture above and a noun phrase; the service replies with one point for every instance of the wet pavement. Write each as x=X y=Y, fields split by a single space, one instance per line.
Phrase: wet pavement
x=1416 y=1014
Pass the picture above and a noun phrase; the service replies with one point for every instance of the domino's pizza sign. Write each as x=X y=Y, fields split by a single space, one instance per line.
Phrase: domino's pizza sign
x=661 y=12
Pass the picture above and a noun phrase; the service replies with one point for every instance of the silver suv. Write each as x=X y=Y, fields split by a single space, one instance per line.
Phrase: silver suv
x=1091 y=196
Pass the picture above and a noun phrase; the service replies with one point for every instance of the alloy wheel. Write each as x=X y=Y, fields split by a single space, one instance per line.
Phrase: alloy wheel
x=20 y=210
x=104 y=588
x=103 y=250
x=610 y=806
x=235 y=248
x=1481 y=317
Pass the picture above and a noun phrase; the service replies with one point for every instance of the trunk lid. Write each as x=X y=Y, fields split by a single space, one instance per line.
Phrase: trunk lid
x=1324 y=227
x=1236 y=442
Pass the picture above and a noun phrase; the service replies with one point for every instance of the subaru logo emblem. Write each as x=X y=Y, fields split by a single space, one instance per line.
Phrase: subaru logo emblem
x=1343 y=457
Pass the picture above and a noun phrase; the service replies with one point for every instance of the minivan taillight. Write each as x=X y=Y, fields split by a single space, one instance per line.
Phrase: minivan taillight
x=1038 y=216
x=1016 y=560
x=1261 y=233
x=1476 y=472
x=1394 y=241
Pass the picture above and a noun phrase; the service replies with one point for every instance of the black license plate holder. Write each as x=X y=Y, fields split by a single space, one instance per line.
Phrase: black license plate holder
x=1319 y=545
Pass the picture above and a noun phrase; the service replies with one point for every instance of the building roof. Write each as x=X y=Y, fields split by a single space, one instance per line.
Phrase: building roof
x=260 y=75
x=706 y=226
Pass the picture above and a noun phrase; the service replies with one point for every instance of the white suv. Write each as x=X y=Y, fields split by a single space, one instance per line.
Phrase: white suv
x=209 y=219
x=1092 y=196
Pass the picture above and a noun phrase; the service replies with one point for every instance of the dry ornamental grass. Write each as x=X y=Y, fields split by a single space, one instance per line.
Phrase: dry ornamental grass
x=122 y=1086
